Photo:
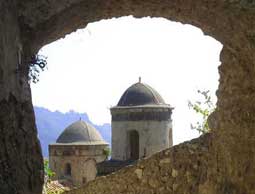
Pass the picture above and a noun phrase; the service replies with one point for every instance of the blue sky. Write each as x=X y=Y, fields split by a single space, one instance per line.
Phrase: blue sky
x=89 y=69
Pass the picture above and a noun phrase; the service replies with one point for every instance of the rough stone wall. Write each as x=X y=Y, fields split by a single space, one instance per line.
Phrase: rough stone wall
x=47 y=21
x=25 y=26
x=181 y=169
x=83 y=169
x=234 y=121
x=82 y=159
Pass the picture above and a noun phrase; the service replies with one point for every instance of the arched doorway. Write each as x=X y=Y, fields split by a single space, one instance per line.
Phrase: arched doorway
x=134 y=145
x=68 y=169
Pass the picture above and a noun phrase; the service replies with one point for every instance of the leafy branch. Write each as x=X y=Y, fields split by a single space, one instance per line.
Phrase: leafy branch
x=47 y=171
x=203 y=108
x=107 y=152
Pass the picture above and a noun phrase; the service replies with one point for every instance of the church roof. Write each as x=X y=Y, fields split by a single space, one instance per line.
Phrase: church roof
x=81 y=132
x=140 y=94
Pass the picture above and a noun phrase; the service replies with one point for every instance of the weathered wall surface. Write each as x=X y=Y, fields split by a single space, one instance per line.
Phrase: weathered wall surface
x=181 y=169
x=47 y=21
x=21 y=165
x=234 y=121
x=153 y=137
x=82 y=159
x=152 y=124
x=25 y=26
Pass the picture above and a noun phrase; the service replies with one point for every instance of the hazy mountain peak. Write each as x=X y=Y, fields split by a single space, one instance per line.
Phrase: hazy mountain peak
x=51 y=124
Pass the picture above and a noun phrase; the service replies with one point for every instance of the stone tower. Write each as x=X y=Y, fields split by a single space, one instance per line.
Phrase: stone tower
x=141 y=123
x=76 y=152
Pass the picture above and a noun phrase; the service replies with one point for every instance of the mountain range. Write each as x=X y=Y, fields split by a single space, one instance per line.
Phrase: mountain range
x=51 y=124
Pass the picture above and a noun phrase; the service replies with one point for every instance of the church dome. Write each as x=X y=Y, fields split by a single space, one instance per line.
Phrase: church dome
x=140 y=94
x=81 y=132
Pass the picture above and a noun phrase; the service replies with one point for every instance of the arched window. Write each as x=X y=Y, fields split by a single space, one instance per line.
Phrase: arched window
x=68 y=169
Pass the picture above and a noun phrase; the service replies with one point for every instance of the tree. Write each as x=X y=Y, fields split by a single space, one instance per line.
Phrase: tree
x=203 y=108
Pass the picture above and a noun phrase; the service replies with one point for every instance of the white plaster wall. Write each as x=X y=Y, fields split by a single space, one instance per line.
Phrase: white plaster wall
x=154 y=136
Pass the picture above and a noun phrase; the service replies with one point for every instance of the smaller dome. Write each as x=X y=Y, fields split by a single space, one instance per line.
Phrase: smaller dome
x=140 y=94
x=81 y=132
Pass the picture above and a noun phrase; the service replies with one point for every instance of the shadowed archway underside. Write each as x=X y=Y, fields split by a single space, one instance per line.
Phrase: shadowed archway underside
x=228 y=164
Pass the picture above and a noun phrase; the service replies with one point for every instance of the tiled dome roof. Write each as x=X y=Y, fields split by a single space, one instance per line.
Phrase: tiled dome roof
x=140 y=94
x=80 y=132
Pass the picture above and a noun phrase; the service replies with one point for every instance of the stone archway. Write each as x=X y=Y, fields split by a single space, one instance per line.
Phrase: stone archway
x=26 y=26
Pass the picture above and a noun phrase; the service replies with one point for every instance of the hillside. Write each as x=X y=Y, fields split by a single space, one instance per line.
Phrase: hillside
x=51 y=124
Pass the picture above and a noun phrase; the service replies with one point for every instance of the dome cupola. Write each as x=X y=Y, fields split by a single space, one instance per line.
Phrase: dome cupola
x=80 y=132
x=140 y=94
x=141 y=123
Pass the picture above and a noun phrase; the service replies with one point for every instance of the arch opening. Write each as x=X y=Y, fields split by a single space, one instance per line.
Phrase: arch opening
x=134 y=146
x=115 y=60
x=68 y=170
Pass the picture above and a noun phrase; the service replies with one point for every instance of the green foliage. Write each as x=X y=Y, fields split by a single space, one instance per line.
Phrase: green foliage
x=48 y=175
x=107 y=152
x=47 y=171
x=203 y=108
x=36 y=65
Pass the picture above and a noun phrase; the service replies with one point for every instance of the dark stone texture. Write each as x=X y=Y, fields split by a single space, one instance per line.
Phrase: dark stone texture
x=21 y=169
x=21 y=163
x=110 y=166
